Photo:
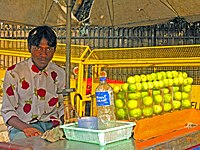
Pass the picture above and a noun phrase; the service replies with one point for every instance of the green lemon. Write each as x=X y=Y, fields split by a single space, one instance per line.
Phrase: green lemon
x=119 y=103
x=121 y=113
x=131 y=104
x=135 y=112
x=116 y=89
x=121 y=95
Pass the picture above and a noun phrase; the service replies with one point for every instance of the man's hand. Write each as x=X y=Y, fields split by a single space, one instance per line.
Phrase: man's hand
x=30 y=131
x=26 y=128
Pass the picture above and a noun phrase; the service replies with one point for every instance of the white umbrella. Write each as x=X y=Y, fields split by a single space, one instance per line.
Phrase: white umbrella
x=132 y=13
x=35 y=12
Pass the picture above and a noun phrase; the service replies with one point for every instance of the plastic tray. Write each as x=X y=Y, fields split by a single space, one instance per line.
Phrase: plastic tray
x=120 y=145
x=123 y=130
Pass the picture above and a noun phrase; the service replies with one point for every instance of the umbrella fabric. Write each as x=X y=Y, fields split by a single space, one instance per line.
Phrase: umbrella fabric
x=35 y=12
x=188 y=9
x=132 y=13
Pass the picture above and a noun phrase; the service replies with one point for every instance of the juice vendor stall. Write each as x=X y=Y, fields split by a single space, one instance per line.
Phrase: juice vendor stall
x=121 y=63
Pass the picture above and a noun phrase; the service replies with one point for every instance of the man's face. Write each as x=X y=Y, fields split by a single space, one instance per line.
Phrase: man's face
x=42 y=54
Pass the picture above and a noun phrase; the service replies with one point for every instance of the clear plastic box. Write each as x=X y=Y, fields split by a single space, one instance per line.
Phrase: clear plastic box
x=123 y=130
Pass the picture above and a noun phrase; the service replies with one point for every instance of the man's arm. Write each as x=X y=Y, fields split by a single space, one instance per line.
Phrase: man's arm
x=26 y=128
x=10 y=102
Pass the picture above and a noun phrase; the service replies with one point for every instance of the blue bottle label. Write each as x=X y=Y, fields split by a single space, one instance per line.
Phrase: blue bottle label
x=103 y=98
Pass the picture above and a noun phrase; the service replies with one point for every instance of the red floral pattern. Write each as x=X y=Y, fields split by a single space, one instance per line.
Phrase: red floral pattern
x=54 y=76
x=27 y=107
x=25 y=84
x=52 y=117
x=41 y=92
x=52 y=101
x=10 y=91
x=55 y=121
x=35 y=69
x=11 y=67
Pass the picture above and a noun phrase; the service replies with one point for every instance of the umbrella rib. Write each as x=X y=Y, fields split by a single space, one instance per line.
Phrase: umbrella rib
x=48 y=12
x=111 y=19
x=166 y=3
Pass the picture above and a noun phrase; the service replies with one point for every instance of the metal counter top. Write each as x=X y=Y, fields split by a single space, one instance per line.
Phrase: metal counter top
x=39 y=144
x=180 y=142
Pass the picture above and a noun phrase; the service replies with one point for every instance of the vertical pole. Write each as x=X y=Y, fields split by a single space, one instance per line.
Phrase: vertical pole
x=68 y=60
x=68 y=44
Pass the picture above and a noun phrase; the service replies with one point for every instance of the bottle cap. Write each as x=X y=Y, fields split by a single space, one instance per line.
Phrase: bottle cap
x=102 y=78
x=103 y=74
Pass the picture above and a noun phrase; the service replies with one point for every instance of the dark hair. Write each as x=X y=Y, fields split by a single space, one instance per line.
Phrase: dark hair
x=36 y=35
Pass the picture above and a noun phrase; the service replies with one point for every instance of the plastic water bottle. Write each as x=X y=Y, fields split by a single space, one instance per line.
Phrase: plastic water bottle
x=105 y=105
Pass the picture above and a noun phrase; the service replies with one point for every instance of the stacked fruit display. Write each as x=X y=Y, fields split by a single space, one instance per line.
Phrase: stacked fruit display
x=147 y=95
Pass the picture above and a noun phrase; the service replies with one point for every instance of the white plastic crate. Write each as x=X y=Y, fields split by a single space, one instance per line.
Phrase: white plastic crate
x=123 y=130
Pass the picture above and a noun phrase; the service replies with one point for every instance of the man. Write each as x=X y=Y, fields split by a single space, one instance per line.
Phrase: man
x=30 y=102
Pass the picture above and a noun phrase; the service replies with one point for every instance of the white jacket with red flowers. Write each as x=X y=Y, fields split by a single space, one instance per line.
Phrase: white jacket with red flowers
x=30 y=94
